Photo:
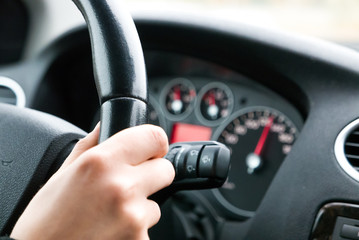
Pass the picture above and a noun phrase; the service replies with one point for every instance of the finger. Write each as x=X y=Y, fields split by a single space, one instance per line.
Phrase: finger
x=155 y=175
x=138 y=216
x=137 y=144
x=83 y=145
x=154 y=213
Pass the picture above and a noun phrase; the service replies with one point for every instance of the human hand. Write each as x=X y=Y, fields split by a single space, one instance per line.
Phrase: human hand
x=101 y=191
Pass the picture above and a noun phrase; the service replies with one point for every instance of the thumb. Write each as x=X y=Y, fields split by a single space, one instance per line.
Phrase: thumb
x=82 y=146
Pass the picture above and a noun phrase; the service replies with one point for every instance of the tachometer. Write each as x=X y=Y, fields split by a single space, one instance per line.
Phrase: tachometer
x=178 y=98
x=259 y=138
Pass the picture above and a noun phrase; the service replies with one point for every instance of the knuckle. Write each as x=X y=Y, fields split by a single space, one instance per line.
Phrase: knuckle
x=94 y=162
x=135 y=217
x=138 y=218
x=126 y=189
x=120 y=192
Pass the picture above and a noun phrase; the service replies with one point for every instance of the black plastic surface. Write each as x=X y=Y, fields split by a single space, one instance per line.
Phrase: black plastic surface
x=121 y=113
x=345 y=228
x=119 y=66
x=198 y=165
x=349 y=232
x=330 y=219
x=30 y=143
x=14 y=25
x=118 y=63
x=199 y=160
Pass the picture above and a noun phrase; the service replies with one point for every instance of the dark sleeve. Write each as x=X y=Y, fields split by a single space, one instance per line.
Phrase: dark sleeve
x=6 y=238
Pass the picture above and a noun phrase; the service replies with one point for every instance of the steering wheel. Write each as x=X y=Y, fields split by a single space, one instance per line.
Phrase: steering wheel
x=33 y=145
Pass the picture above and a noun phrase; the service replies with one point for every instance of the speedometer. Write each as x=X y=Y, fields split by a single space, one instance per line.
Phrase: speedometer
x=259 y=138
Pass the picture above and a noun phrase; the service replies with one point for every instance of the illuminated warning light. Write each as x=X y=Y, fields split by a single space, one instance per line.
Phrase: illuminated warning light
x=182 y=132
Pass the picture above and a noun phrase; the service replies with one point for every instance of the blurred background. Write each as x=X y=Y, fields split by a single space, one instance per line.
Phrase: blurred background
x=334 y=20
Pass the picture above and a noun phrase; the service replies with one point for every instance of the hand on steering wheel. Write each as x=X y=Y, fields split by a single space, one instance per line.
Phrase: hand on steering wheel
x=101 y=191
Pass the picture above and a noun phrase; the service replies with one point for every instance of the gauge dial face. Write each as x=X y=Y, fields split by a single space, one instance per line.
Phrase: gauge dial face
x=216 y=103
x=179 y=98
x=259 y=139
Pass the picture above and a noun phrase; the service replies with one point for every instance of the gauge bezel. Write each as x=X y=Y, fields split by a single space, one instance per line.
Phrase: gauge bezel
x=163 y=96
x=200 y=95
x=217 y=194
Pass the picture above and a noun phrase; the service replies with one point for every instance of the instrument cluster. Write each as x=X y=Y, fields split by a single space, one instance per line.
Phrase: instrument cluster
x=258 y=125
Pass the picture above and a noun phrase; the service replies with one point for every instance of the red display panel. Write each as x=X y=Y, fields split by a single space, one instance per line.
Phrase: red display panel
x=182 y=132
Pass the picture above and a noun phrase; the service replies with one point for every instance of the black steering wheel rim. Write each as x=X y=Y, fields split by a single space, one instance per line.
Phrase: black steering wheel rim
x=119 y=65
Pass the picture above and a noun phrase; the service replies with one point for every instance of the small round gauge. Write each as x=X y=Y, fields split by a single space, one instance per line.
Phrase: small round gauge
x=178 y=98
x=259 y=139
x=216 y=103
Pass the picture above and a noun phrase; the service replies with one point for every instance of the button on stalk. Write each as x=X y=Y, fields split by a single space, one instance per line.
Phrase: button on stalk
x=198 y=165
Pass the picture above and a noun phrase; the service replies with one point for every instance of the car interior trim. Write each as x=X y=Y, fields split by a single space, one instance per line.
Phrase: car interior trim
x=339 y=150
x=15 y=88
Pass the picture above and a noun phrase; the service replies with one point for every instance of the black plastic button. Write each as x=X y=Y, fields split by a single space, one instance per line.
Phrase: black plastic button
x=172 y=154
x=179 y=162
x=350 y=232
x=198 y=165
x=191 y=161
x=223 y=156
x=207 y=162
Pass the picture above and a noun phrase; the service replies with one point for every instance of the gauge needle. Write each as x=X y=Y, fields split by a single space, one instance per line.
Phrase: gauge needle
x=212 y=109
x=263 y=137
x=211 y=99
x=177 y=93
x=254 y=160
x=177 y=102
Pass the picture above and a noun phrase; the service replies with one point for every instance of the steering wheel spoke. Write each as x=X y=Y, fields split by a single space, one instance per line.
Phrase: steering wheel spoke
x=32 y=147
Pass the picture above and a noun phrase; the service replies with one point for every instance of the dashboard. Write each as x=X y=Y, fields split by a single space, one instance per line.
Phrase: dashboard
x=196 y=100
x=278 y=101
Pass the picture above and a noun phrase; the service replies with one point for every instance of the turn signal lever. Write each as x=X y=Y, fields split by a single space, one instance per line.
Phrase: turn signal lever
x=198 y=165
